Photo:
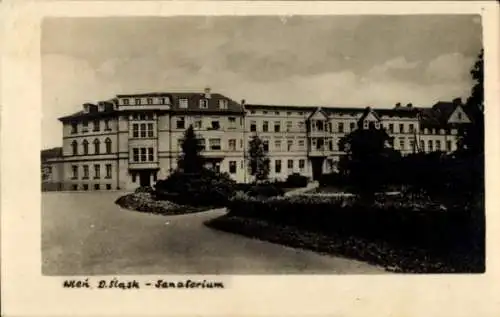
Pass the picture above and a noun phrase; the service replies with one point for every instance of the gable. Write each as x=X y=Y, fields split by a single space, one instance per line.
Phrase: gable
x=318 y=115
x=458 y=116
x=370 y=117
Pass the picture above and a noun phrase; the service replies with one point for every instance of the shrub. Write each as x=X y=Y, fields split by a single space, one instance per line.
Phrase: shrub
x=332 y=179
x=265 y=190
x=144 y=189
x=296 y=180
x=206 y=188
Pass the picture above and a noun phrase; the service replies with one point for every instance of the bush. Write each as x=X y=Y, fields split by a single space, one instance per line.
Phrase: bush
x=296 y=180
x=332 y=179
x=401 y=224
x=265 y=190
x=206 y=188
x=144 y=189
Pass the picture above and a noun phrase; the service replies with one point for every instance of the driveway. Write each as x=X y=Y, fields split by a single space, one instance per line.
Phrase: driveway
x=86 y=234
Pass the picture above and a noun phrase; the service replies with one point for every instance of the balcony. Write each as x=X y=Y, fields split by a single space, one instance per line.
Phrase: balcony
x=143 y=165
x=318 y=152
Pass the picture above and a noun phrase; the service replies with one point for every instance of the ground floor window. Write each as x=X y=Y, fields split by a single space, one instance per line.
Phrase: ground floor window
x=290 y=164
x=232 y=167
x=108 y=186
x=96 y=186
x=85 y=187
x=74 y=187
x=302 y=164
x=277 y=166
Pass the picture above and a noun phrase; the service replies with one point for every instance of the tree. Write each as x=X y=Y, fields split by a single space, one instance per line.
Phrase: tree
x=258 y=162
x=368 y=160
x=191 y=160
x=472 y=137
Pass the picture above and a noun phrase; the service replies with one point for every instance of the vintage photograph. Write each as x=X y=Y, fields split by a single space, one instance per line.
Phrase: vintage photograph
x=324 y=144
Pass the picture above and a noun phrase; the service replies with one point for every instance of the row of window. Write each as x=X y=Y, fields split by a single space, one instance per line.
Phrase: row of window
x=86 y=187
x=432 y=145
x=143 y=154
x=183 y=102
x=277 y=126
x=96 y=126
x=213 y=125
x=277 y=166
x=86 y=171
x=85 y=147
x=142 y=130
x=277 y=113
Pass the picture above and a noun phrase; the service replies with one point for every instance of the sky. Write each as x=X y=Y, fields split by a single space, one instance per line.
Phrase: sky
x=340 y=61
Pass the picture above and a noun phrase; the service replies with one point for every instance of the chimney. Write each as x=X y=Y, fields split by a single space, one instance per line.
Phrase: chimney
x=102 y=106
x=457 y=101
x=398 y=105
x=243 y=102
x=86 y=107
x=410 y=105
x=207 y=93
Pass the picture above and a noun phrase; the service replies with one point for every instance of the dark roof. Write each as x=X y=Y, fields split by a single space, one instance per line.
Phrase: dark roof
x=51 y=153
x=366 y=112
x=213 y=102
x=279 y=107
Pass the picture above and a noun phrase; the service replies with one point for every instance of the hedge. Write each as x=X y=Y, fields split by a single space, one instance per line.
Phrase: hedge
x=402 y=224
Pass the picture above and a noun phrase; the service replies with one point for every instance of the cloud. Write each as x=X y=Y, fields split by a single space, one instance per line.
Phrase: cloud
x=449 y=67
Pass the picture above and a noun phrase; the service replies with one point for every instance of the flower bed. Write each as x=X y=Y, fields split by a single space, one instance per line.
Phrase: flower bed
x=144 y=202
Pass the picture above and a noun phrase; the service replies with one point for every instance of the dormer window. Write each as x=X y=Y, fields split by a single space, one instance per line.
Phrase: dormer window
x=377 y=125
x=137 y=101
x=365 y=124
x=203 y=103
x=150 y=101
x=85 y=126
x=222 y=104
x=126 y=102
x=161 y=101
x=183 y=103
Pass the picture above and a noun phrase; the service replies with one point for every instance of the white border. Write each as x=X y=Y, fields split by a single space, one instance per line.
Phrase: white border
x=25 y=292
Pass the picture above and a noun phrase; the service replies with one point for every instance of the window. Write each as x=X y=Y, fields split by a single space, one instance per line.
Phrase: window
x=232 y=122
x=215 y=125
x=302 y=164
x=438 y=145
x=290 y=164
x=289 y=145
x=108 y=186
x=108 y=170
x=197 y=124
x=411 y=144
x=265 y=126
x=301 y=144
x=277 y=113
x=441 y=131
x=85 y=171
x=289 y=113
x=319 y=125
x=108 y=145
x=150 y=130
x=300 y=125
x=352 y=126
x=252 y=111
x=150 y=101
x=265 y=144
x=203 y=103
x=155 y=177
x=459 y=116
x=214 y=144
x=277 y=166
x=201 y=143
x=422 y=145
x=142 y=130
x=134 y=177
x=74 y=187
x=277 y=145
x=453 y=131
x=74 y=128
x=365 y=124
x=180 y=123
x=401 y=143
x=85 y=126
x=430 y=145
x=232 y=144
x=330 y=145
x=161 y=101
x=183 y=103
x=222 y=104
x=106 y=125
x=74 y=169
x=289 y=126
x=391 y=127
x=253 y=126
x=401 y=128
x=85 y=187
x=97 y=171
x=85 y=147
x=135 y=130
x=277 y=126
x=410 y=126
x=341 y=127
x=74 y=147
x=301 y=113
x=232 y=167
x=97 y=146
x=151 y=156
x=241 y=143
x=143 y=154
x=136 y=154
x=137 y=101
x=97 y=125
x=448 y=146
x=264 y=112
